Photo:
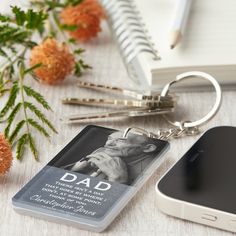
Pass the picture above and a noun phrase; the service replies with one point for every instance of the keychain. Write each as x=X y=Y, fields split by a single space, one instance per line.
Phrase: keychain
x=91 y=180
x=144 y=105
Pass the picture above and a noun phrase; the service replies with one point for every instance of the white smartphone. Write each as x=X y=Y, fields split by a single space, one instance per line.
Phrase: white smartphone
x=201 y=186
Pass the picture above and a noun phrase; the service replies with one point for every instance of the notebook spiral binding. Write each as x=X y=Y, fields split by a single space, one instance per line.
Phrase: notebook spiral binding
x=129 y=32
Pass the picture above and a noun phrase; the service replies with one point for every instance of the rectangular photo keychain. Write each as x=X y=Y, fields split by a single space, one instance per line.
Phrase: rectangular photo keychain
x=92 y=179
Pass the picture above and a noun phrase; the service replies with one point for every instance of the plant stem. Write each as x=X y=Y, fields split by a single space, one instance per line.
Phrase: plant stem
x=21 y=84
x=19 y=55
x=6 y=78
x=54 y=21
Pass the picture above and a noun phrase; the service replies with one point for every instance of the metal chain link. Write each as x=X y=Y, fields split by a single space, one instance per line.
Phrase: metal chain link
x=175 y=133
x=165 y=134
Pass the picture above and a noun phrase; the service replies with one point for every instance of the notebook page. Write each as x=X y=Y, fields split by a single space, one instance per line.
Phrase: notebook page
x=209 y=38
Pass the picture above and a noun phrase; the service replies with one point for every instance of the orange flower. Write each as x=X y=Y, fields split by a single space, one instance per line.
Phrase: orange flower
x=92 y=7
x=5 y=155
x=56 y=59
x=87 y=16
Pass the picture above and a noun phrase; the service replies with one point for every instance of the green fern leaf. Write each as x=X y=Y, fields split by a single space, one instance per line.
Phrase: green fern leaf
x=11 y=118
x=1 y=79
x=4 y=18
x=21 y=146
x=37 y=96
x=11 y=100
x=3 y=53
x=73 y=2
x=37 y=126
x=30 y=19
x=40 y=115
x=32 y=147
x=3 y=91
x=79 y=51
x=16 y=131
x=31 y=69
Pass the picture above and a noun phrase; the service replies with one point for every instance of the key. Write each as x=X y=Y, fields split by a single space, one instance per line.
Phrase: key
x=124 y=103
x=114 y=114
x=125 y=92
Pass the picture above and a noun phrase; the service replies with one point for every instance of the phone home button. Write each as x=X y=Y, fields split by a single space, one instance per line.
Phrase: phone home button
x=209 y=217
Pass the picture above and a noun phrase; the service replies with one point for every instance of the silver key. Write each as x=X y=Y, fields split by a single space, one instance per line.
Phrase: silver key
x=124 y=92
x=116 y=102
x=124 y=113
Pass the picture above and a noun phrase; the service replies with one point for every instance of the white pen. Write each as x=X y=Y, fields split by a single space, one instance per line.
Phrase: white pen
x=182 y=10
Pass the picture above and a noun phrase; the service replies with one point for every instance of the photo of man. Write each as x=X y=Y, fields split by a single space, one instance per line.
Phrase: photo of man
x=121 y=159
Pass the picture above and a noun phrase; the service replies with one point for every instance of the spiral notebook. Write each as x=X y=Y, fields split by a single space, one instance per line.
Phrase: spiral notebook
x=141 y=29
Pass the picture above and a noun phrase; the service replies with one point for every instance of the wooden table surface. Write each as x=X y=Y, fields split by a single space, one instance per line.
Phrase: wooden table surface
x=141 y=216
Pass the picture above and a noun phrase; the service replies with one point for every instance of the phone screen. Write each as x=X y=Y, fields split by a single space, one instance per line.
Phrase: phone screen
x=206 y=174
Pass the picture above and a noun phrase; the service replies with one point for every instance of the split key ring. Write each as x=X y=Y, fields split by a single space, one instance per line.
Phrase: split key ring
x=211 y=113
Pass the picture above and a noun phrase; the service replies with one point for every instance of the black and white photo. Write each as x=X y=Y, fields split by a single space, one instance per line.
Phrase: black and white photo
x=120 y=159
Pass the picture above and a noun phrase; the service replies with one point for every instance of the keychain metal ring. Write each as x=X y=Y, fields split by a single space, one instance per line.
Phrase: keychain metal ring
x=212 y=112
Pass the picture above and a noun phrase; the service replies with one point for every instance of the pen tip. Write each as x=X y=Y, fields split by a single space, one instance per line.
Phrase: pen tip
x=172 y=46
